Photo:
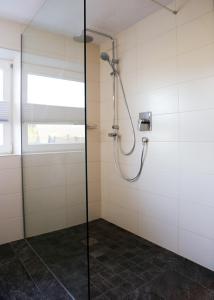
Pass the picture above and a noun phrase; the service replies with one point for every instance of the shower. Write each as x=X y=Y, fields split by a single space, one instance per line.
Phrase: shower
x=115 y=134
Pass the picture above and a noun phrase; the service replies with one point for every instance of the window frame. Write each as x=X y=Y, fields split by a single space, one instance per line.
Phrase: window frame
x=35 y=113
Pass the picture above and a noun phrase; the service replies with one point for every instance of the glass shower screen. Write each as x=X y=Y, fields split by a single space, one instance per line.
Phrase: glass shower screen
x=53 y=143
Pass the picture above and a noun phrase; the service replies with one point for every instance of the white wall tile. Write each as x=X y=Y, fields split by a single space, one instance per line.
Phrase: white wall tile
x=198 y=187
x=158 y=74
x=93 y=151
x=44 y=199
x=163 y=47
x=125 y=197
x=107 y=153
x=196 y=64
x=106 y=110
x=10 y=181
x=94 y=191
x=10 y=35
x=197 y=158
x=93 y=91
x=43 y=159
x=192 y=9
x=75 y=157
x=94 y=211
x=159 y=233
x=75 y=215
x=76 y=194
x=159 y=208
x=128 y=61
x=162 y=156
x=106 y=89
x=164 y=183
x=11 y=229
x=126 y=39
x=197 y=126
x=196 y=34
x=121 y=217
x=197 y=248
x=197 y=218
x=45 y=221
x=196 y=95
x=94 y=171
x=155 y=25
x=93 y=71
x=164 y=128
x=10 y=162
x=93 y=112
x=160 y=101
x=11 y=206
x=40 y=176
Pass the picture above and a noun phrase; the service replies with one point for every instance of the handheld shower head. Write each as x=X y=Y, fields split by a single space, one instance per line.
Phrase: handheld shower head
x=112 y=62
x=104 y=56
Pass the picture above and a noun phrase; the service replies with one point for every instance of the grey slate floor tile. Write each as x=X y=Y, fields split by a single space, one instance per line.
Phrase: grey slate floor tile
x=122 y=266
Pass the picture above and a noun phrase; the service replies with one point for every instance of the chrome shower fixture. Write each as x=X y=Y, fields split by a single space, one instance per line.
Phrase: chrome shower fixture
x=83 y=38
x=115 y=133
x=145 y=121
x=112 y=62
x=104 y=56
x=88 y=39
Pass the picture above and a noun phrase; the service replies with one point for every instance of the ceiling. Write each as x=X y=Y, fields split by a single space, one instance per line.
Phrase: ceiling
x=67 y=16
x=19 y=10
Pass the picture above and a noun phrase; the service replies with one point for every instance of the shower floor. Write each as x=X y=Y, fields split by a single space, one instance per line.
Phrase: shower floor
x=122 y=266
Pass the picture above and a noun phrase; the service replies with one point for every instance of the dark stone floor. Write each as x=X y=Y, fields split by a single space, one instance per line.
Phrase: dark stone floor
x=122 y=266
x=125 y=266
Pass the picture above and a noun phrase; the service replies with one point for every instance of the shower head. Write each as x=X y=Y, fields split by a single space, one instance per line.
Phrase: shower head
x=104 y=56
x=83 y=38
x=112 y=62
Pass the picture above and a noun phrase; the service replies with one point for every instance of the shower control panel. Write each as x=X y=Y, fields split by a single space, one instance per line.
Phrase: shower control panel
x=145 y=121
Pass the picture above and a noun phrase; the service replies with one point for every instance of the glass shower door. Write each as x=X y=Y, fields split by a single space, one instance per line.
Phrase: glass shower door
x=53 y=144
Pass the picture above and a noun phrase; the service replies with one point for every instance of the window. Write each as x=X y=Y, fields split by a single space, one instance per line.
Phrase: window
x=44 y=134
x=54 y=91
x=53 y=111
x=5 y=107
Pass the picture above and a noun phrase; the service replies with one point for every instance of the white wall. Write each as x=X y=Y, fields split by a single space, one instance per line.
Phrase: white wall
x=167 y=65
x=54 y=191
x=11 y=224
x=10 y=34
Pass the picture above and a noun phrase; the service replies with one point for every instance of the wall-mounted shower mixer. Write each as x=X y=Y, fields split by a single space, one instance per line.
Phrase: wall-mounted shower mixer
x=145 y=121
